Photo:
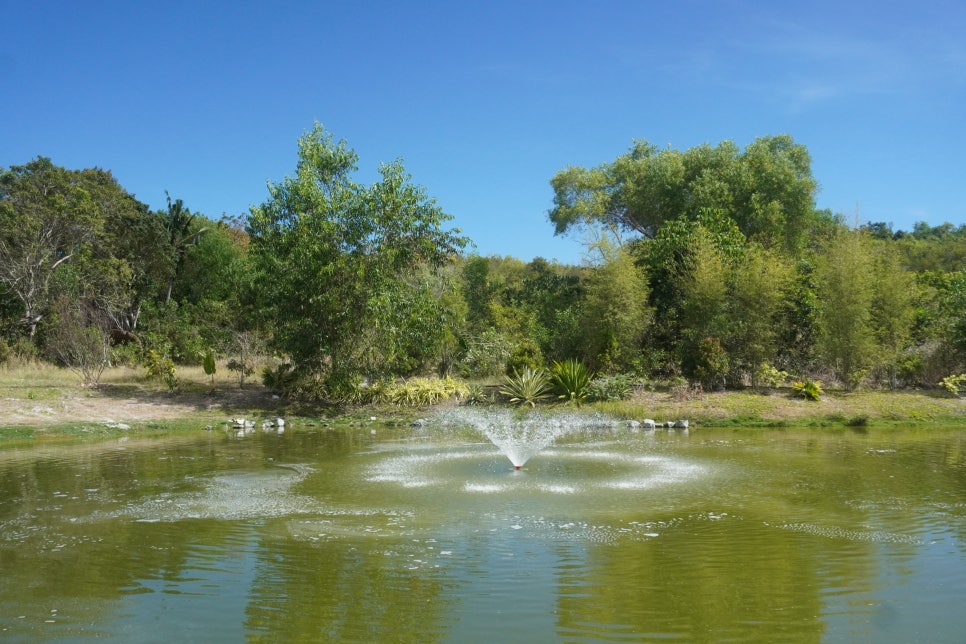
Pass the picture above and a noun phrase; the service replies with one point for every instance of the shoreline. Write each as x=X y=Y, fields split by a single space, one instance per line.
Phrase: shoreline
x=47 y=403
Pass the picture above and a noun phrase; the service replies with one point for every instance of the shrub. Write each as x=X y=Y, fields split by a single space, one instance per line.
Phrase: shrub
x=570 y=379
x=711 y=365
x=808 y=389
x=160 y=367
x=526 y=387
x=280 y=379
x=486 y=355
x=609 y=388
x=768 y=376
x=954 y=384
x=422 y=392
x=415 y=392
x=861 y=420
x=477 y=395
x=526 y=355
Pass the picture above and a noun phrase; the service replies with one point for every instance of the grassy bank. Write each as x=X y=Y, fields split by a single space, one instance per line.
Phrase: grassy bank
x=43 y=403
x=780 y=408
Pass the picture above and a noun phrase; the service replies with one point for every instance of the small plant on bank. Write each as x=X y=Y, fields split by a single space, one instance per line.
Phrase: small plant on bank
x=280 y=379
x=422 y=392
x=768 y=376
x=242 y=368
x=210 y=367
x=808 y=389
x=477 y=395
x=570 y=379
x=527 y=387
x=161 y=367
x=609 y=388
x=954 y=384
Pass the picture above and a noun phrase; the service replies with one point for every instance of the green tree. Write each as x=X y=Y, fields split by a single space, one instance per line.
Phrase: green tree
x=893 y=310
x=183 y=233
x=76 y=231
x=46 y=219
x=767 y=190
x=614 y=315
x=758 y=287
x=846 y=287
x=342 y=265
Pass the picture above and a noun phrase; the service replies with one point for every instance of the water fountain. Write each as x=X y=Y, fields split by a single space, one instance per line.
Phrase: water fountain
x=521 y=435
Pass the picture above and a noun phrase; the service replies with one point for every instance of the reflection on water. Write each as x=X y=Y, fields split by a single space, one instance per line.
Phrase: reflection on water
x=432 y=535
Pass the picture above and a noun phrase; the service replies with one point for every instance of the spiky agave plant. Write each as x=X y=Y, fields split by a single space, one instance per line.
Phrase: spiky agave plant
x=526 y=387
x=570 y=380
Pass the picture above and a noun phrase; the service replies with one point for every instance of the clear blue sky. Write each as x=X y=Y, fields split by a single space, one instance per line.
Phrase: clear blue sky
x=485 y=101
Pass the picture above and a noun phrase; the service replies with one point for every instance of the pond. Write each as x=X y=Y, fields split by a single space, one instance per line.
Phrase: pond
x=431 y=534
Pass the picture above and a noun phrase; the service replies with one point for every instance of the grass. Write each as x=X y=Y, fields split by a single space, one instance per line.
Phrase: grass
x=779 y=408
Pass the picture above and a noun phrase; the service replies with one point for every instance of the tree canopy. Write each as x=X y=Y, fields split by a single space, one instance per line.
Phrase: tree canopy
x=767 y=190
x=348 y=268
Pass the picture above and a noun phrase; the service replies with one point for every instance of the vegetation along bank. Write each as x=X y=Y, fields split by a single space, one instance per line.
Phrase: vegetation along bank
x=712 y=288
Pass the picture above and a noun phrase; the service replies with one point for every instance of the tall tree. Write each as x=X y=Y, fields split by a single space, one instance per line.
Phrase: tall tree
x=846 y=286
x=614 y=315
x=758 y=287
x=342 y=264
x=179 y=222
x=767 y=190
x=50 y=217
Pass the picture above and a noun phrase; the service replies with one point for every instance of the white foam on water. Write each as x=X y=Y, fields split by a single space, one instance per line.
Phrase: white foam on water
x=836 y=532
x=228 y=496
x=485 y=488
x=558 y=489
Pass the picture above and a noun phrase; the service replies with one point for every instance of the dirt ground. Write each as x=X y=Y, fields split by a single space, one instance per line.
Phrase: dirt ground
x=110 y=404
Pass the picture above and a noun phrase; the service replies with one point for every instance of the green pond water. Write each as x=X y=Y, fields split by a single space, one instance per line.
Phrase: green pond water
x=381 y=534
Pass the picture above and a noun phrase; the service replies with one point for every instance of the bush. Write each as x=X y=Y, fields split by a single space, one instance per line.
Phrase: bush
x=808 y=389
x=768 y=376
x=280 y=379
x=954 y=384
x=610 y=388
x=478 y=395
x=712 y=364
x=161 y=367
x=415 y=392
x=526 y=355
x=486 y=355
x=422 y=392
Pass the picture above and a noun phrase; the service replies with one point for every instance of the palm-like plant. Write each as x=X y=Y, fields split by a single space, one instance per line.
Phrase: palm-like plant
x=570 y=380
x=808 y=389
x=526 y=387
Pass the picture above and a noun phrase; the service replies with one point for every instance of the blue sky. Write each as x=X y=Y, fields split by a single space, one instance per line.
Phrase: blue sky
x=485 y=101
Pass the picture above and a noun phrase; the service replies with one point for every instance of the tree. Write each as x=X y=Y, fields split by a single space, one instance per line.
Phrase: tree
x=342 y=265
x=846 y=287
x=46 y=218
x=614 y=316
x=183 y=233
x=767 y=190
x=893 y=310
x=703 y=284
x=758 y=286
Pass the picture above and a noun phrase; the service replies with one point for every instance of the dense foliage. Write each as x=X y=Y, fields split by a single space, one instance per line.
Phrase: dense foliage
x=709 y=266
